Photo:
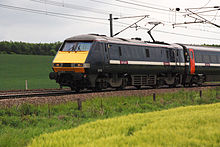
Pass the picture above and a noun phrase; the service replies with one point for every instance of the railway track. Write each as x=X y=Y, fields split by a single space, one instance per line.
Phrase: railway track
x=58 y=92
x=60 y=97
x=33 y=93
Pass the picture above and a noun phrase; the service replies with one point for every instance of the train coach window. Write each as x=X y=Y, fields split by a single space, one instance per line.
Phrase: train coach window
x=198 y=57
x=213 y=58
x=120 y=53
x=218 y=59
x=147 y=53
x=177 y=52
x=167 y=53
x=206 y=59
x=106 y=46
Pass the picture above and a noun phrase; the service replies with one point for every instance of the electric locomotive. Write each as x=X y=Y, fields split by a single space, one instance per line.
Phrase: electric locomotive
x=97 y=62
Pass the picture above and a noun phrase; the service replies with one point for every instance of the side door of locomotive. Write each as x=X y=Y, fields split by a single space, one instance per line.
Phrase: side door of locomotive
x=173 y=59
x=177 y=54
x=106 y=53
x=191 y=61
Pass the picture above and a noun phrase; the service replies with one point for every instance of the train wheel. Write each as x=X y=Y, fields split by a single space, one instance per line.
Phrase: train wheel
x=72 y=88
x=172 y=86
x=138 y=87
x=123 y=85
x=96 y=89
x=155 y=86
x=76 y=89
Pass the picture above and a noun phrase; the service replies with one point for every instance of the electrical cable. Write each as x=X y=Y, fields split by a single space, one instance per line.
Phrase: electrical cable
x=214 y=18
x=61 y=15
x=68 y=16
x=140 y=5
x=77 y=7
x=150 y=4
x=110 y=4
x=179 y=34
x=203 y=6
x=134 y=8
x=42 y=11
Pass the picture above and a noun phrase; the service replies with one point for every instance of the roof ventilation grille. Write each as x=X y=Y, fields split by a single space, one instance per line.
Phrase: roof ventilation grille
x=97 y=35
x=136 y=38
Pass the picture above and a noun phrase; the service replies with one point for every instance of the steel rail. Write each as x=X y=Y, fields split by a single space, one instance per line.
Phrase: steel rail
x=65 y=92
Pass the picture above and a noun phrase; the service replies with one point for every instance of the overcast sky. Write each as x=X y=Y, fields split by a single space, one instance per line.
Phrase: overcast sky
x=30 y=26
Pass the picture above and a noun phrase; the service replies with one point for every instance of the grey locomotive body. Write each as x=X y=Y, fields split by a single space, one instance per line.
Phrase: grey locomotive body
x=117 y=63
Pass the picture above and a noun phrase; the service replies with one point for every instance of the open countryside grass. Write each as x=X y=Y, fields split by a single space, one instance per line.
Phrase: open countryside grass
x=184 y=126
x=20 y=124
x=15 y=69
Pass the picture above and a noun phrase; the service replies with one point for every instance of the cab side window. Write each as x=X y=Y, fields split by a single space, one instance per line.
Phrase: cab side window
x=147 y=53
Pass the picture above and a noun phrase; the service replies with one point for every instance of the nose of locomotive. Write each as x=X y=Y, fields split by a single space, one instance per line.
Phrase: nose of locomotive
x=71 y=61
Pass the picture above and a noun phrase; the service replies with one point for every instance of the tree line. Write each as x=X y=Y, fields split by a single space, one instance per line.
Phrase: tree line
x=10 y=47
x=212 y=45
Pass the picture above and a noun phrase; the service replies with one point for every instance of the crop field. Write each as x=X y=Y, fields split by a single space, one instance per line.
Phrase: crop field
x=15 y=69
x=184 y=126
x=21 y=123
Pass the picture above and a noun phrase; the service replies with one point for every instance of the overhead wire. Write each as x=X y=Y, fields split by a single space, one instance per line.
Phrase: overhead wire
x=42 y=11
x=62 y=15
x=59 y=4
x=159 y=9
x=214 y=18
x=189 y=28
x=193 y=36
x=164 y=13
x=179 y=34
x=76 y=7
x=121 y=6
x=150 y=4
x=140 y=5
x=203 y=6
x=69 y=16
x=134 y=8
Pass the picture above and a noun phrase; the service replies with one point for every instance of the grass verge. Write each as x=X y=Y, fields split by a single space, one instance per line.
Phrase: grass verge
x=20 y=124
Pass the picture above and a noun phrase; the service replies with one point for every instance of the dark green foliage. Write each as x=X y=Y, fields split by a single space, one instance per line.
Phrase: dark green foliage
x=29 y=48
x=211 y=45
x=19 y=124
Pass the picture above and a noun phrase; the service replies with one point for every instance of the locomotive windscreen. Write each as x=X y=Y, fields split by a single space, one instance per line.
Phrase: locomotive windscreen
x=76 y=46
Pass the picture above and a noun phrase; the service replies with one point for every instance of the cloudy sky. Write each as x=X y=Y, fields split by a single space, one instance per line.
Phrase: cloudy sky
x=55 y=20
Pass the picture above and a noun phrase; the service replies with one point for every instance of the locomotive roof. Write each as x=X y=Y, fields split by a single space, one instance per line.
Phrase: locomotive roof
x=104 y=38
x=203 y=48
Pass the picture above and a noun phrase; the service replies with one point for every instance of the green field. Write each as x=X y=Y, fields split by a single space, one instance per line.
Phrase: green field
x=184 y=126
x=15 y=69
x=21 y=123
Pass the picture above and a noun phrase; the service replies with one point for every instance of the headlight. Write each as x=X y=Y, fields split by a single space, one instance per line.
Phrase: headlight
x=86 y=65
x=79 y=65
x=57 y=64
